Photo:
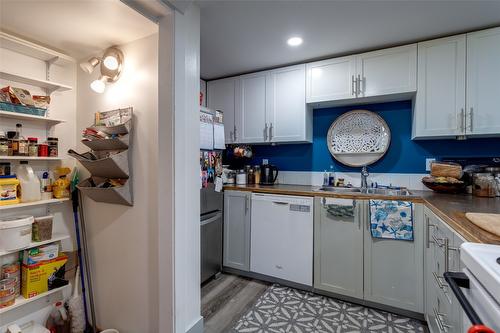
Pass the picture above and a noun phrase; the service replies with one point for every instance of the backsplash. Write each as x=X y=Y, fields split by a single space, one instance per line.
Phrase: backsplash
x=404 y=155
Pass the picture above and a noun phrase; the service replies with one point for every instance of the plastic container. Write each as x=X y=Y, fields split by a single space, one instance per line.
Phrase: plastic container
x=42 y=228
x=15 y=232
x=8 y=190
x=29 y=182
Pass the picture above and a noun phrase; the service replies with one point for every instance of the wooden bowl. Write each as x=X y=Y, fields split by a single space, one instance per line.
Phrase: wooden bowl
x=445 y=187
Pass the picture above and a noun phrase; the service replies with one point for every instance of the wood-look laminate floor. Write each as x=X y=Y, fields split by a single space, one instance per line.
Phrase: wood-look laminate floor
x=227 y=298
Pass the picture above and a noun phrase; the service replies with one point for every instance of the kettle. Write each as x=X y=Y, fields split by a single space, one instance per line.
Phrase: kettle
x=268 y=174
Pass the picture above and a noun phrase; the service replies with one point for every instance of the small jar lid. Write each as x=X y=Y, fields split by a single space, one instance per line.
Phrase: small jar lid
x=52 y=139
x=33 y=139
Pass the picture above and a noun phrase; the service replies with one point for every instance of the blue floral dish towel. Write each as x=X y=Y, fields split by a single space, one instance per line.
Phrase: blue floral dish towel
x=391 y=219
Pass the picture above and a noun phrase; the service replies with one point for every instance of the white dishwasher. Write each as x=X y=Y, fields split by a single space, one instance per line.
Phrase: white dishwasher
x=282 y=237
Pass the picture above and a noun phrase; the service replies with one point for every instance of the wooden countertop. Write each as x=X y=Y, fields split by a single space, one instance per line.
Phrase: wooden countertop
x=449 y=207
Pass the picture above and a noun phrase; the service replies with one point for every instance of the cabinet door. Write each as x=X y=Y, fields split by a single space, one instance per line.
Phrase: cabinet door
x=237 y=230
x=287 y=116
x=430 y=287
x=440 y=102
x=251 y=111
x=389 y=71
x=222 y=96
x=331 y=80
x=483 y=82
x=338 y=249
x=393 y=269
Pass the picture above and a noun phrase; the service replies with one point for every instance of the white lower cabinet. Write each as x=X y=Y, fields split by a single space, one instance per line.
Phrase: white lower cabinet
x=282 y=237
x=349 y=262
x=338 y=247
x=236 y=247
x=442 y=310
x=393 y=269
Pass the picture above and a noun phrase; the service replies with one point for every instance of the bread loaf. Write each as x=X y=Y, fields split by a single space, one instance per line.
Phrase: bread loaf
x=441 y=169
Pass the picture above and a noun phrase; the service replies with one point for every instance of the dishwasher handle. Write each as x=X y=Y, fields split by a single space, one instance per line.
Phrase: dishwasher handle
x=211 y=219
x=457 y=280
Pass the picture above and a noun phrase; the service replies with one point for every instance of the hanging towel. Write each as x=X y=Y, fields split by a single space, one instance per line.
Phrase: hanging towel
x=337 y=207
x=391 y=219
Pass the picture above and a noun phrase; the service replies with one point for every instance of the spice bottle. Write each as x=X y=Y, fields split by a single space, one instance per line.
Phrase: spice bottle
x=32 y=146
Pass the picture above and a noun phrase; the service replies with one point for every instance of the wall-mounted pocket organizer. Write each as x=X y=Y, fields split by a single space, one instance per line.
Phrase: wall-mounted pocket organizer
x=109 y=159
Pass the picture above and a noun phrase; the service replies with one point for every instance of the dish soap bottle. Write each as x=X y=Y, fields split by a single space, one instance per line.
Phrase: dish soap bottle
x=331 y=177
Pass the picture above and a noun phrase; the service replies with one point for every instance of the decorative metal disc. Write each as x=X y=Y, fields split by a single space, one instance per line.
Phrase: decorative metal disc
x=358 y=138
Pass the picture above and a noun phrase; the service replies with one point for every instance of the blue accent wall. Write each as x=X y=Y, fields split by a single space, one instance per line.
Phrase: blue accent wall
x=404 y=155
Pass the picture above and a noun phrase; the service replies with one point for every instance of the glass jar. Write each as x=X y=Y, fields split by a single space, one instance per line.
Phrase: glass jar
x=256 y=172
x=53 y=147
x=33 y=147
x=22 y=149
x=4 y=146
x=484 y=185
x=251 y=177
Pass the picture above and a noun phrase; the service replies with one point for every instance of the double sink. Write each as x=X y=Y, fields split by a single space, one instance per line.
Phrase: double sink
x=376 y=191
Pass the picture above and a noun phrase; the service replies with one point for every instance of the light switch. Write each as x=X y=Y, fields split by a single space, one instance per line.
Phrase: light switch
x=428 y=162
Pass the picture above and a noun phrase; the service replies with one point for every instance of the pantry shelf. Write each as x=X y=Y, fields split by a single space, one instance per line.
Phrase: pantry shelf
x=20 y=301
x=22 y=116
x=34 y=204
x=30 y=158
x=19 y=45
x=49 y=85
x=55 y=238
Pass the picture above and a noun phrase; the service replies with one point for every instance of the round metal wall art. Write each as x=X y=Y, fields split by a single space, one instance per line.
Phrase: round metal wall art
x=358 y=138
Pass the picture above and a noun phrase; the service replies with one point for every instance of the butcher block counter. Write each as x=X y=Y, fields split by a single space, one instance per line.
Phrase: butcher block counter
x=451 y=208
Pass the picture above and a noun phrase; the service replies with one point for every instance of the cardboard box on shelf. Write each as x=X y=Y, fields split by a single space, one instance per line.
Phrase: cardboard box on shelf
x=35 y=278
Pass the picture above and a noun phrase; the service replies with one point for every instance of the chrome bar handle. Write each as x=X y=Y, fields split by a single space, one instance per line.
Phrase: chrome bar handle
x=439 y=280
x=353 y=89
x=471 y=115
x=247 y=198
x=231 y=136
x=438 y=241
x=359 y=85
x=235 y=137
x=442 y=326
x=265 y=132
x=461 y=121
x=270 y=131
x=427 y=232
x=446 y=255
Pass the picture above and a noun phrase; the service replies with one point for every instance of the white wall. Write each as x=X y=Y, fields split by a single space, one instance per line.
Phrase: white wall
x=123 y=241
x=187 y=206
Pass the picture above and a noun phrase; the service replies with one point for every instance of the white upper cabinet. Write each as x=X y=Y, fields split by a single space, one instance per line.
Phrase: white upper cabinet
x=440 y=102
x=251 y=109
x=483 y=82
x=222 y=96
x=287 y=118
x=386 y=72
x=330 y=80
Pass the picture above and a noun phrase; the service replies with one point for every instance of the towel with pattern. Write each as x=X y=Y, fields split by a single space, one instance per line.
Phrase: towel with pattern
x=391 y=219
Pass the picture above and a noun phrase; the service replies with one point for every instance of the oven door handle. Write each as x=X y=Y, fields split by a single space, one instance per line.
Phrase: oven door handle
x=457 y=280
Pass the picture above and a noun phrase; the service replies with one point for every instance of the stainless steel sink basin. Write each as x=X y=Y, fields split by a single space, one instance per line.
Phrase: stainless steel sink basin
x=387 y=191
x=340 y=189
x=378 y=191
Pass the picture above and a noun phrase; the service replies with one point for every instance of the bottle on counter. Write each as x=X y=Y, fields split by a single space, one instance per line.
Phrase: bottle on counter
x=251 y=177
x=331 y=176
x=257 y=174
x=325 y=179
x=241 y=177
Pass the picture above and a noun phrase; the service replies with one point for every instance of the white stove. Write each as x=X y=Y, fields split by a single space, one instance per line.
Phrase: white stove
x=482 y=270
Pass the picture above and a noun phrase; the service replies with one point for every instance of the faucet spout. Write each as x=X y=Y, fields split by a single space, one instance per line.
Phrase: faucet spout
x=364 y=177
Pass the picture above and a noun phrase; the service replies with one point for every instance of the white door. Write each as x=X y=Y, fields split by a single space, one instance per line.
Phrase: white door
x=222 y=96
x=251 y=109
x=282 y=237
x=483 y=82
x=389 y=71
x=287 y=113
x=440 y=102
x=331 y=80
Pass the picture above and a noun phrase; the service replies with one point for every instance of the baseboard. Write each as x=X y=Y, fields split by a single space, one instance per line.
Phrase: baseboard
x=197 y=327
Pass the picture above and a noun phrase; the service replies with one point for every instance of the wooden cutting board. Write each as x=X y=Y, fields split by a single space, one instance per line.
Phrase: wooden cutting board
x=488 y=222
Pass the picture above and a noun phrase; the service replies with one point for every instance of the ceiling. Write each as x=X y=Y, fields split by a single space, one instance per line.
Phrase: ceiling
x=75 y=27
x=243 y=36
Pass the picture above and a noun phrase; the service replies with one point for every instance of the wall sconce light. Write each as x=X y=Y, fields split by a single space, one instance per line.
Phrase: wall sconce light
x=111 y=65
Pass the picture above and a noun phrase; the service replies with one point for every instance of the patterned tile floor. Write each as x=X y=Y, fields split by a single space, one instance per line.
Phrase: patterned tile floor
x=283 y=309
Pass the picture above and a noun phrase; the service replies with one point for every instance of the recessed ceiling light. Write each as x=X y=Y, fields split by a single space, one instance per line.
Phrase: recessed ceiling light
x=294 y=41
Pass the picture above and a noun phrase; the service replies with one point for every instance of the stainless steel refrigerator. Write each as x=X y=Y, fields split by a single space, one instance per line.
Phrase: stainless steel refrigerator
x=211 y=201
